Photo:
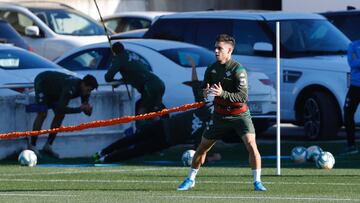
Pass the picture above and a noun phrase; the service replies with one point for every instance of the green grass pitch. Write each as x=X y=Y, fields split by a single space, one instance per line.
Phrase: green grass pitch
x=229 y=180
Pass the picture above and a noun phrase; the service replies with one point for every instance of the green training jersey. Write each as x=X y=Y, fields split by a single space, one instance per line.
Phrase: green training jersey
x=60 y=88
x=233 y=78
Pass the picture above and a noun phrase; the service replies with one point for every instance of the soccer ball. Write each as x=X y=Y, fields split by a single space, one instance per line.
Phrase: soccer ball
x=27 y=158
x=325 y=160
x=298 y=154
x=313 y=152
x=187 y=157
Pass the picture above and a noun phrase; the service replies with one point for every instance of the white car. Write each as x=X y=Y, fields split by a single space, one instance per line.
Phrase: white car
x=314 y=71
x=127 y=21
x=18 y=68
x=167 y=59
x=51 y=28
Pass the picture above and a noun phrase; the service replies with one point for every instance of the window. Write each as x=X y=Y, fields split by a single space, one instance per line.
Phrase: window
x=209 y=29
x=126 y=24
x=9 y=35
x=311 y=37
x=66 y=22
x=246 y=34
x=17 y=59
x=17 y=20
x=170 y=29
x=201 y=56
x=348 y=24
x=91 y=59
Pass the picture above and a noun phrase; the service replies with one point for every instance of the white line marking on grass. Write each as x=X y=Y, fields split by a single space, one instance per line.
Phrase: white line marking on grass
x=260 y=198
x=171 y=181
x=35 y=195
x=77 y=171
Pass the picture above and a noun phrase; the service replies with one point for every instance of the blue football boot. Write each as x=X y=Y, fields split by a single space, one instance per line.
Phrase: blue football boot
x=258 y=186
x=187 y=184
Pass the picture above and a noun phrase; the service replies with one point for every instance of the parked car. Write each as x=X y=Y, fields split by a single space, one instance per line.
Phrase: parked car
x=127 y=21
x=314 y=71
x=133 y=34
x=12 y=84
x=346 y=21
x=8 y=35
x=167 y=59
x=51 y=28
x=19 y=67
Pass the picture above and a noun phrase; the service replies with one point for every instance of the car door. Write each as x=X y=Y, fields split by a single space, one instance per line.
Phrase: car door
x=19 y=21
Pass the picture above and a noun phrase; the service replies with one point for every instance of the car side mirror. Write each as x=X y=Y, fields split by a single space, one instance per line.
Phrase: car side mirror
x=263 y=49
x=263 y=46
x=32 y=31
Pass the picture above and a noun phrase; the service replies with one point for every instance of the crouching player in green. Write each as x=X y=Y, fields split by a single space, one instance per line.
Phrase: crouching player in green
x=54 y=90
x=226 y=79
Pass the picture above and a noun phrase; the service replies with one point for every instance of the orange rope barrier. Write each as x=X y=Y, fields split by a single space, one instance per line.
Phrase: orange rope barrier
x=102 y=123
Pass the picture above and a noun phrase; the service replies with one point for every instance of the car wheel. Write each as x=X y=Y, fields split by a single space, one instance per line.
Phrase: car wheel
x=320 y=116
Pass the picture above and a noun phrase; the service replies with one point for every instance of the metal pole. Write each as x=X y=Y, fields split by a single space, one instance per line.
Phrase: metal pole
x=102 y=21
x=278 y=151
x=109 y=40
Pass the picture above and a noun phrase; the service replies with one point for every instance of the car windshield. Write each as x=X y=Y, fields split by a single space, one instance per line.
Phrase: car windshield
x=18 y=59
x=310 y=38
x=201 y=56
x=65 y=22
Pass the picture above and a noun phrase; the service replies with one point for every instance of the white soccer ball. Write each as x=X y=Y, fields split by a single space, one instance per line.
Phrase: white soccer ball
x=325 y=160
x=313 y=152
x=298 y=154
x=27 y=158
x=187 y=157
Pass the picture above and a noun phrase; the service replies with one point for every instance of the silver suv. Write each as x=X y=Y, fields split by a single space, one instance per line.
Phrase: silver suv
x=51 y=28
x=314 y=70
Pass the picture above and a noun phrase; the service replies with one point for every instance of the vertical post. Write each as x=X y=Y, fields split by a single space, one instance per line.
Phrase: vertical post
x=278 y=152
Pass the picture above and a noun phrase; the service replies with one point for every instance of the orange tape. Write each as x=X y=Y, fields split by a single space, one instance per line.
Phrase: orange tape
x=102 y=123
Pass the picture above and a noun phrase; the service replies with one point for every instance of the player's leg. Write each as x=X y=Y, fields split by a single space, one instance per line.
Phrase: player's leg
x=245 y=128
x=38 y=122
x=201 y=151
x=198 y=160
x=350 y=106
x=145 y=147
x=41 y=100
x=150 y=133
x=56 y=122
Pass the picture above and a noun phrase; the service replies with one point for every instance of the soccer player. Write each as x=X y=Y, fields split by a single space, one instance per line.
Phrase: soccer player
x=226 y=79
x=135 y=73
x=352 y=97
x=182 y=128
x=54 y=90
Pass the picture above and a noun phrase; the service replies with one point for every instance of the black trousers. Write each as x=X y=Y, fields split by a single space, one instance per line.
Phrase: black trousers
x=351 y=103
x=151 y=138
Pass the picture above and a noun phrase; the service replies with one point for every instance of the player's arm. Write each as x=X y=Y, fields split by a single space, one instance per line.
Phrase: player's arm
x=62 y=107
x=195 y=83
x=85 y=106
x=206 y=83
x=241 y=86
x=114 y=68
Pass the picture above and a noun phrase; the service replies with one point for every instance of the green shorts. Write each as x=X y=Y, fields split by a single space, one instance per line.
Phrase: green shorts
x=223 y=125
